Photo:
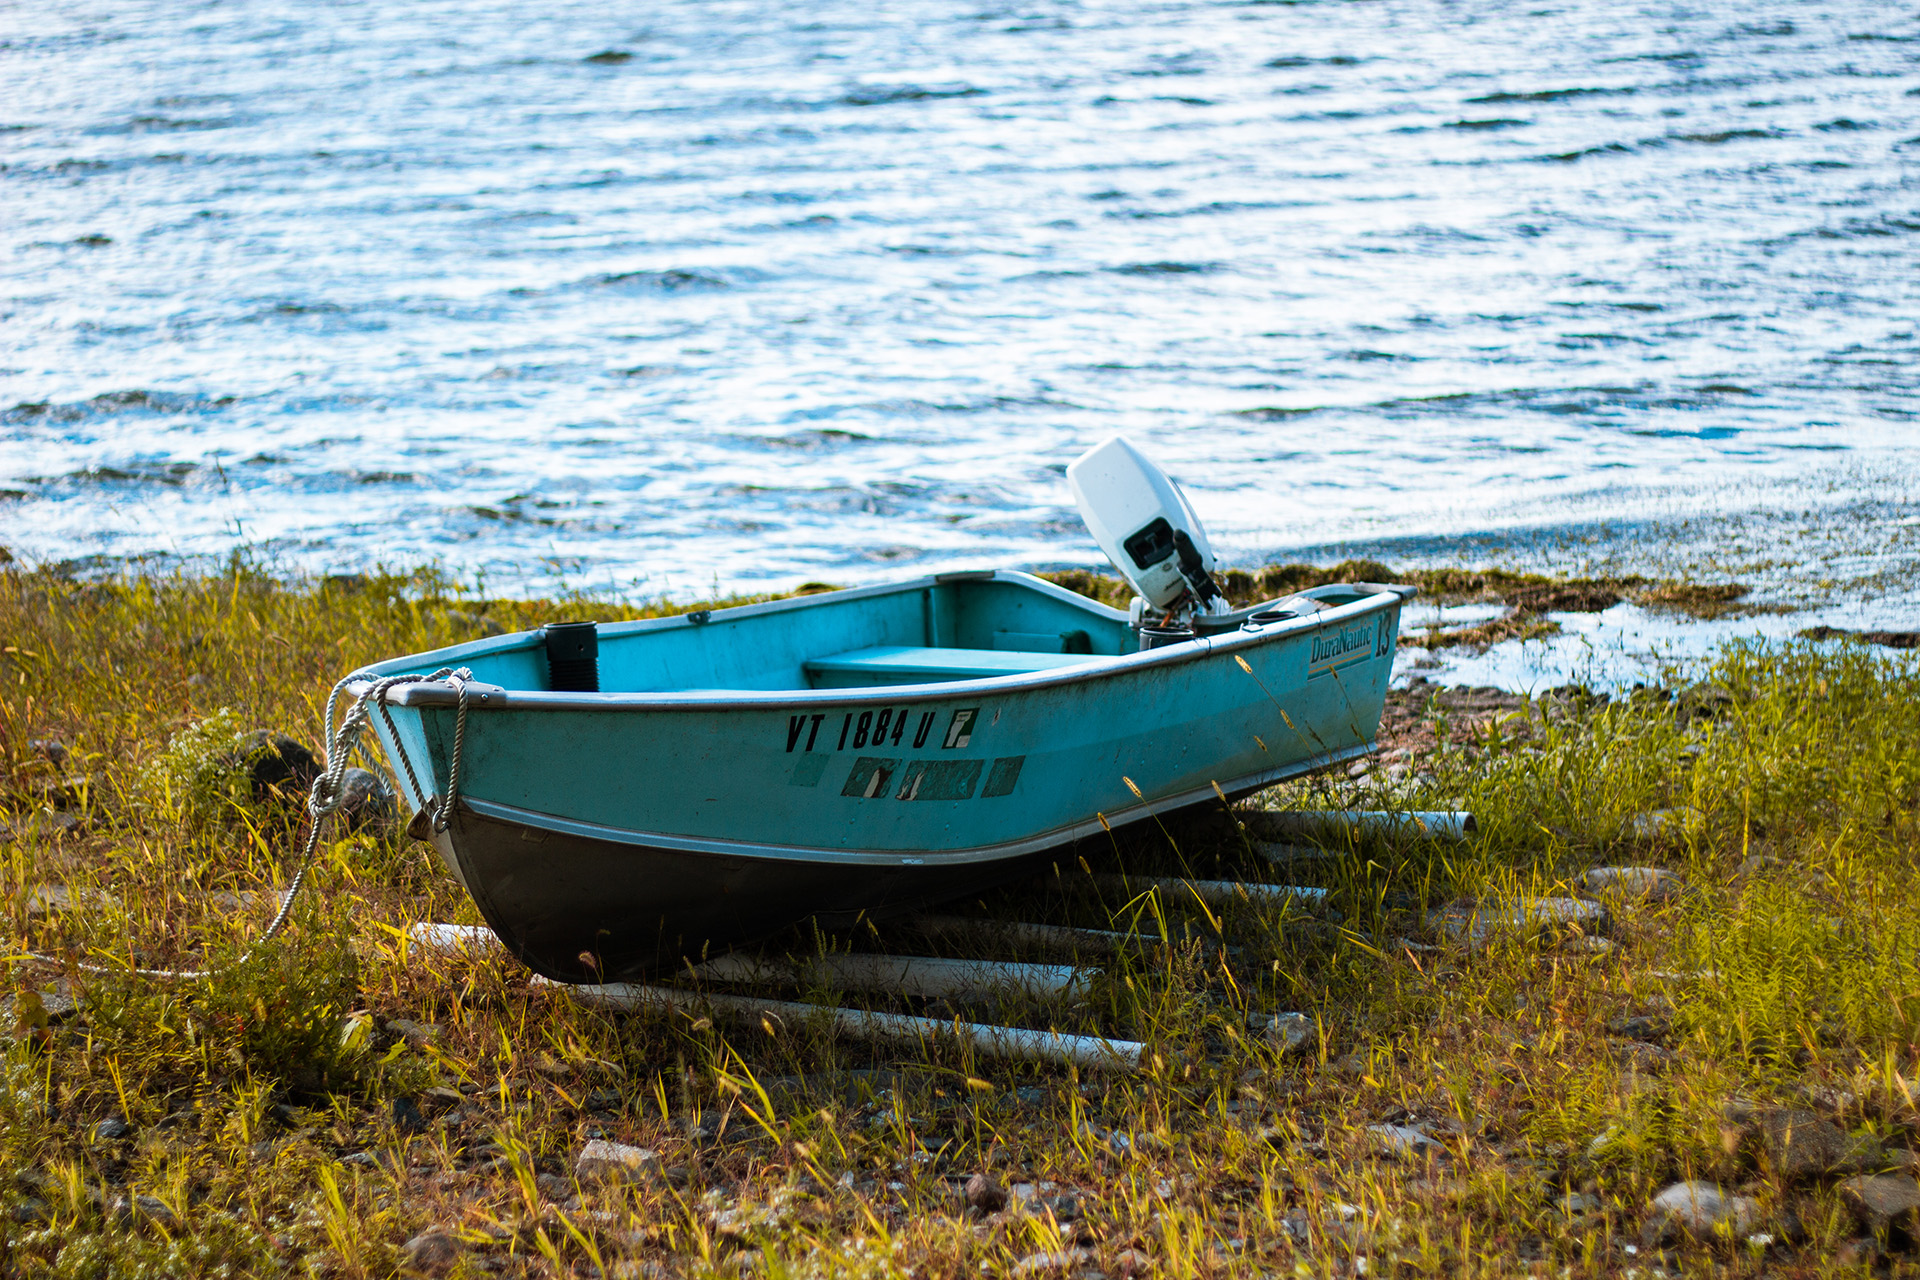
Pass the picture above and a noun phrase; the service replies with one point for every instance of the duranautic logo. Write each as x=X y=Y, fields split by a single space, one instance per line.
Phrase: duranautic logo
x=1343 y=642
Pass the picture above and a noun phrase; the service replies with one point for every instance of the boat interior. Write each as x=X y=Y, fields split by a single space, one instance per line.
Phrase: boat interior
x=962 y=626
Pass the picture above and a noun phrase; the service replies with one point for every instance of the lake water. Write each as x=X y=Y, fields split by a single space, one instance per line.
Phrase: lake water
x=742 y=294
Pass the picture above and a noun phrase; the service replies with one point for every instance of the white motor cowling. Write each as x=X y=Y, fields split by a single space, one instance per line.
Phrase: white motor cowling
x=1145 y=525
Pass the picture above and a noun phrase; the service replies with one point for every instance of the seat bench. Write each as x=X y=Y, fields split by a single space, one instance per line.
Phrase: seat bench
x=911 y=664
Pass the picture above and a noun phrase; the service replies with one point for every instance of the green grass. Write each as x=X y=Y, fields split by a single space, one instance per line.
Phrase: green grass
x=1786 y=972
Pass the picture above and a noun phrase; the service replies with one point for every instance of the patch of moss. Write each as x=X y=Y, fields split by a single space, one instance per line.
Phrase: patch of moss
x=1529 y=593
x=1515 y=624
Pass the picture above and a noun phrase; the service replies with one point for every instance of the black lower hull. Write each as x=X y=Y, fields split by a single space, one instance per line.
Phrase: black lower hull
x=580 y=909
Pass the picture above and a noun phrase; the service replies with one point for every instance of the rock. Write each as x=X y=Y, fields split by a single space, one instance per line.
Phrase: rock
x=112 y=1129
x=1651 y=1028
x=1291 y=1033
x=985 y=1195
x=1702 y=1209
x=125 y=1208
x=1400 y=1140
x=407 y=1116
x=31 y=1210
x=1131 y=1263
x=417 y=1034
x=1794 y=1143
x=32 y=1011
x=1064 y=1208
x=69 y=792
x=1661 y=824
x=1474 y=924
x=1883 y=1200
x=274 y=763
x=1858 y=1254
x=440 y=1098
x=366 y=800
x=603 y=1161
x=1640 y=1056
x=1059 y=1262
x=432 y=1253
x=1576 y=1204
x=58 y=899
x=50 y=749
x=1624 y=884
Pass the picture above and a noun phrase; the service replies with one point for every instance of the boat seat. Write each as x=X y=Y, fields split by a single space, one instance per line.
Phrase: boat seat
x=910 y=664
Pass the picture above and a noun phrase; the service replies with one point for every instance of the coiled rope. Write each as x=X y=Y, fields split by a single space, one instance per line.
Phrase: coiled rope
x=325 y=797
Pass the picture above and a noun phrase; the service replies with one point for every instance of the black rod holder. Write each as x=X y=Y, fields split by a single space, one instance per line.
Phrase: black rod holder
x=573 y=656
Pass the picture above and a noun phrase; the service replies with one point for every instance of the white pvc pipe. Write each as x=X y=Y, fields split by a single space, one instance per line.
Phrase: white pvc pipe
x=1017 y=1044
x=1275 y=852
x=924 y=976
x=1019 y=934
x=1215 y=893
x=1310 y=824
x=452 y=939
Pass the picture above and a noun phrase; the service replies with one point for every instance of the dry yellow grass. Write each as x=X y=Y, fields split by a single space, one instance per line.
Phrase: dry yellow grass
x=280 y=1119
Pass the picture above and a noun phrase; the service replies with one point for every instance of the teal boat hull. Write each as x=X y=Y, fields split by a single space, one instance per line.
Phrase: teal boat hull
x=867 y=751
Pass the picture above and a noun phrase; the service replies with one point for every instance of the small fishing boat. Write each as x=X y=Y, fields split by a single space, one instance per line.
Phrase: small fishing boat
x=618 y=798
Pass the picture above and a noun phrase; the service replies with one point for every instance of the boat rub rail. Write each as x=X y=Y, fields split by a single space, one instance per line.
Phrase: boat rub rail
x=1339 y=620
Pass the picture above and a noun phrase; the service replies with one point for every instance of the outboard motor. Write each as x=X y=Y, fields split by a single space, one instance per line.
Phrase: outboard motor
x=1143 y=522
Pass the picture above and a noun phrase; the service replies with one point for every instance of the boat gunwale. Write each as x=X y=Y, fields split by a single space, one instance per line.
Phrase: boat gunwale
x=426 y=693
x=1038 y=842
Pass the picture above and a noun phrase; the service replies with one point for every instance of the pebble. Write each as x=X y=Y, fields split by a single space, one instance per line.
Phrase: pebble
x=1650 y=884
x=273 y=760
x=1577 y=1204
x=1795 y=1143
x=1291 y=1033
x=365 y=799
x=407 y=1116
x=125 y=1208
x=417 y=1034
x=433 y=1252
x=57 y=899
x=1651 y=1028
x=1055 y=1262
x=36 y=1010
x=985 y=1195
x=1476 y=924
x=1702 y=1209
x=1659 y=824
x=604 y=1161
x=112 y=1129
x=1640 y=1056
x=1399 y=1140
x=1883 y=1200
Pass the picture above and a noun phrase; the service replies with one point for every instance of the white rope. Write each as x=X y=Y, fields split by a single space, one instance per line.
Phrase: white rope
x=324 y=799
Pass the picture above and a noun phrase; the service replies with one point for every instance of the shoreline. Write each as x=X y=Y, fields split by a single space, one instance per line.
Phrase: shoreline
x=1598 y=618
